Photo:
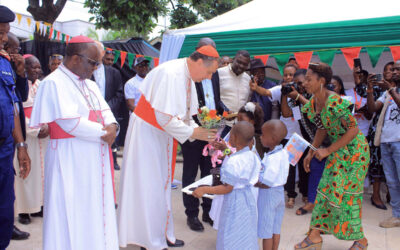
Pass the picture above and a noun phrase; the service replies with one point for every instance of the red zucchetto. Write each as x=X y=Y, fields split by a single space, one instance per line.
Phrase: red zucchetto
x=208 y=50
x=81 y=39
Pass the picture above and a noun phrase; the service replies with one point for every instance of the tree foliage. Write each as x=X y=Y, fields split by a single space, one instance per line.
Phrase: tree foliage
x=136 y=16
x=182 y=17
x=212 y=8
x=45 y=10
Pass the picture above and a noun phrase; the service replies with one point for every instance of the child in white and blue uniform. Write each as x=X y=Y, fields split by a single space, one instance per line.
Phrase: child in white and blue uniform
x=273 y=175
x=239 y=172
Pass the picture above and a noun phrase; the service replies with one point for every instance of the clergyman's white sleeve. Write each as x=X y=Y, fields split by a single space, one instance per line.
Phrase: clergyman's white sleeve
x=82 y=128
x=174 y=126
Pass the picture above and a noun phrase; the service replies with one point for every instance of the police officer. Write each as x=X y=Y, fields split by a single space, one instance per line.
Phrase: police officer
x=10 y=131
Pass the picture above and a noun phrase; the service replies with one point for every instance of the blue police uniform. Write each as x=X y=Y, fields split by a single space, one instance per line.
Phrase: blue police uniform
x=7 y=99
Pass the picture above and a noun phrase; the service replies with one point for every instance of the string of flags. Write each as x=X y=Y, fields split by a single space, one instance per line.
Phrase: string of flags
x=47 y=30
x=327 y=56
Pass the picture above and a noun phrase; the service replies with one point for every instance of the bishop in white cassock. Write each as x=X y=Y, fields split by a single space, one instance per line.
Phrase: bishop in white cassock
x=162 y=117
x=79 y=210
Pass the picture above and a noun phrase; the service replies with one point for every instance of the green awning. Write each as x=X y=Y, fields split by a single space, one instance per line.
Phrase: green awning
x=307 y=37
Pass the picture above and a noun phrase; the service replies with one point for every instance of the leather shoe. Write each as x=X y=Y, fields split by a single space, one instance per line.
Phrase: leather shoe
x=380 y=206
x=19 y=235
x=178 y=243
x=24 y=219
x=194 y=224
x=38 y=214
x=206 y=218
x=116 y=166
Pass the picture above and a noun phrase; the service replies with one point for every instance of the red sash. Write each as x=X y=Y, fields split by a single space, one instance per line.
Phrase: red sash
x=146 y=112
x=56 y=132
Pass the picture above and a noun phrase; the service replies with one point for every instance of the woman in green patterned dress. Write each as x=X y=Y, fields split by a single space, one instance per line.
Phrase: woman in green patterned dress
x=339 y=196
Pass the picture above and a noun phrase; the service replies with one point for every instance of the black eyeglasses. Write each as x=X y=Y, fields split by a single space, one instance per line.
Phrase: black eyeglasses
x=56 y=56
x=109 y=52
x=90 y=61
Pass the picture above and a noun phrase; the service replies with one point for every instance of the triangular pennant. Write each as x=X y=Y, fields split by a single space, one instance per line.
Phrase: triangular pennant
x=395 y=52
x=37 y=26
x=156 y=61
x=116 y=55
x=19 y=17
x=28 y=21
x=303 y=59
x=281 y=61
x=55 y=34
x=45 y=30
x=264 y=58
x=139 y=55
x=131 y=58
x=123 y=57
x=51 y=32
x=63 y=37
x=374 y=54
x=67 y=38
x=149 y=58
x=109 y=49
x=58 y=35
x=349 y=54
x=327 y=56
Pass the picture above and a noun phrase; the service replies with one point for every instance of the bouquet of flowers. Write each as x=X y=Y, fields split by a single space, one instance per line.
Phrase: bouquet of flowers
x=209 y=118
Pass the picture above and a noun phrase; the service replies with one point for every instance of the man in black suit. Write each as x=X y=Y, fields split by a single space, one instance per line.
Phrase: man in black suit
x=110 y=84
x=208 y=94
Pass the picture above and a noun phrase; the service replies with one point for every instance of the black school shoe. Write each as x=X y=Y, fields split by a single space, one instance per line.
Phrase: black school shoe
x=24 y=219
x=206 y=218
x=195 y=224
x=178 y=243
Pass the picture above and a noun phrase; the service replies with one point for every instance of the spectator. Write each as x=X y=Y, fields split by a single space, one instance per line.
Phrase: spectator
x=387 y=135
x=29 y=192
x=234 y=84
x=224 y=61
x=257 y=69
x=132 y=93
x=108 y=58
x=54 y=61
x=338 y=85
x=109 y=82
x=375 y=170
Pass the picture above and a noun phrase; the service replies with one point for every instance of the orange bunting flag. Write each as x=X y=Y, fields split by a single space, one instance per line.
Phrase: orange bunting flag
x=123 y=56
x=349 y=54
x=395 y=52
x=51 y=32
x=19 y=17
x=38 y=27
x=58 y=35
x=263 y=58
x=208 y=50
x=29 y=21
x=139 y=55
x=303 y=58
x=156 y=61
x=67 y=39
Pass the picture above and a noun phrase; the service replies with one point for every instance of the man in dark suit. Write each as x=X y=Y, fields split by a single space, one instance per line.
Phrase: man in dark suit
x=110 y=84
x=208 y=94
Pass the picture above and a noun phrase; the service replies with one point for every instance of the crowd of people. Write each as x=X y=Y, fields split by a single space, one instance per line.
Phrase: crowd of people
x=58 y=135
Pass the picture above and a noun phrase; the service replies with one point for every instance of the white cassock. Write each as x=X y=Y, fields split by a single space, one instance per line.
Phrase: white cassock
x=144 y=212
x=29 y=191
x=79 y=210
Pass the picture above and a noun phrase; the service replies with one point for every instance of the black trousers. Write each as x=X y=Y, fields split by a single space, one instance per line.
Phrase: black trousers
x=192 y=160
x=290 y=185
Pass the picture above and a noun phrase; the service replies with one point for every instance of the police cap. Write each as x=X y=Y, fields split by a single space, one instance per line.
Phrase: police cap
x=6 y=15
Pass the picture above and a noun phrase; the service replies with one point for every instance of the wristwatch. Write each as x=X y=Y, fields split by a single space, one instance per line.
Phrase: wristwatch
x=118 y=127
x=21 y=144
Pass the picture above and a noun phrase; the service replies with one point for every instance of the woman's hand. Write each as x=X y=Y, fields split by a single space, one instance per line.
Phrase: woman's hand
x=322 y=153
x=307 y=160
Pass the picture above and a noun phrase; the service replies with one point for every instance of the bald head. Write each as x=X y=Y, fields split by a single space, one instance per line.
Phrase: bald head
x=243 y=132
x=274 y=130
x=206 y=41
x=31 y=60
x=100 y=46
x=12 y=46
x=33 y=68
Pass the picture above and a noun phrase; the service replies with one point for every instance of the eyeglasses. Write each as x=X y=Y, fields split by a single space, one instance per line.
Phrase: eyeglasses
x=90 y=61
x=56 y=56
x=109 y=52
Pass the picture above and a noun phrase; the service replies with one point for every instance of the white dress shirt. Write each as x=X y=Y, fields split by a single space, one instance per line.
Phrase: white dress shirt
x=100 y=77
